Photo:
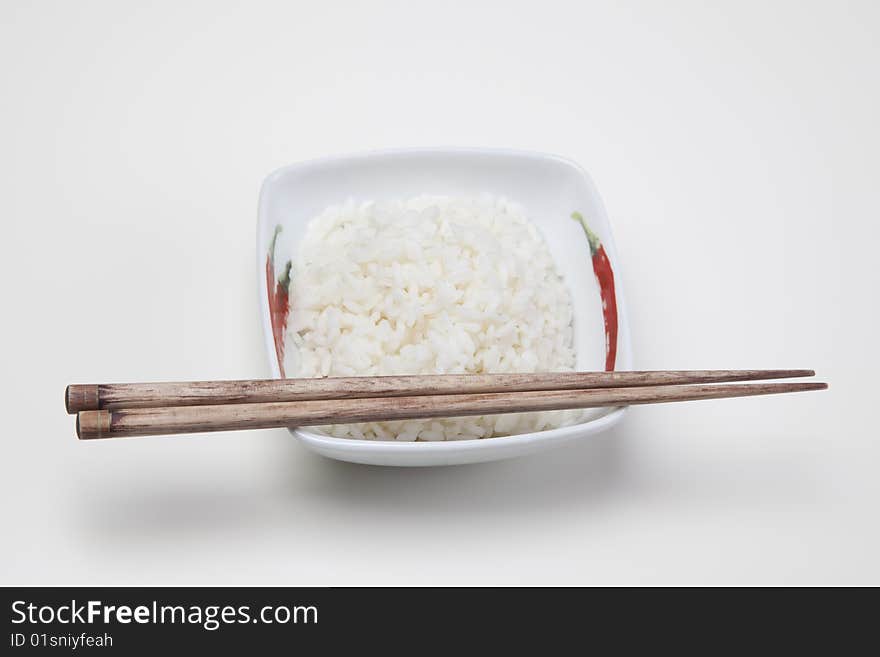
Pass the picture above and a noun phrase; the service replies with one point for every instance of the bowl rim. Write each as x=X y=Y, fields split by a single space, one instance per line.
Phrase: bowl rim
x=352 y=445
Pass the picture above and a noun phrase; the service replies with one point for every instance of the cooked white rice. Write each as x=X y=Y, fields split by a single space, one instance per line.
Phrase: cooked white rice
x=429 y=285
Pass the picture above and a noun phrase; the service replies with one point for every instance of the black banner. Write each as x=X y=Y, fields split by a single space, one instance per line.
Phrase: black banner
x=146 y=620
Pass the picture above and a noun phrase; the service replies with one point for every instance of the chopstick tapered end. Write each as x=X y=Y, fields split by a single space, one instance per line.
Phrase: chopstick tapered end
x=81 y=397
x=92 y=424
x=803 y=387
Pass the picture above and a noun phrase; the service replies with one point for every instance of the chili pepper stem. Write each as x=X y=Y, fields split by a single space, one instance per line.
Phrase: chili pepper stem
x=592 y=238
x=278 y=229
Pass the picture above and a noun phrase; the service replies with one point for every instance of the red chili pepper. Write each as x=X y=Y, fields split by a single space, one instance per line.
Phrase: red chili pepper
x=279 y=300
x=605 y=277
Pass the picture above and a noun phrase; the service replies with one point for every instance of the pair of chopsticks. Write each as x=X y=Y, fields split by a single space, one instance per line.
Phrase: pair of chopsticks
x=147 y=409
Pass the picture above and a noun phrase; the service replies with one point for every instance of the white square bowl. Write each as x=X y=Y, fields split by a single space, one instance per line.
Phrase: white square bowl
x=550 y=188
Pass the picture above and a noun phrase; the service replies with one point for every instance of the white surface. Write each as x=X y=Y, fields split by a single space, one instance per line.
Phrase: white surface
x=549 y=188
x=736 y=152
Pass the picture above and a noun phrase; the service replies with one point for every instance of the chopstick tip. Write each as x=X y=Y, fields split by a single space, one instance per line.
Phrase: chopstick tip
x=93 y=424
x=82 y=397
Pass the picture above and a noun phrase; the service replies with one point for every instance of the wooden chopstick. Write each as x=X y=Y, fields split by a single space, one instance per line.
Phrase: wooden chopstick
x=92 y=397
x=193 y=419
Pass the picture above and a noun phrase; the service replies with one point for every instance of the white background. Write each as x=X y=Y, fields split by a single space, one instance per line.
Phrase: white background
x=735 y=147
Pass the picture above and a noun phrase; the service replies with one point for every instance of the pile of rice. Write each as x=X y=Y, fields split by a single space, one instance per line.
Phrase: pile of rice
x=429 y=285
